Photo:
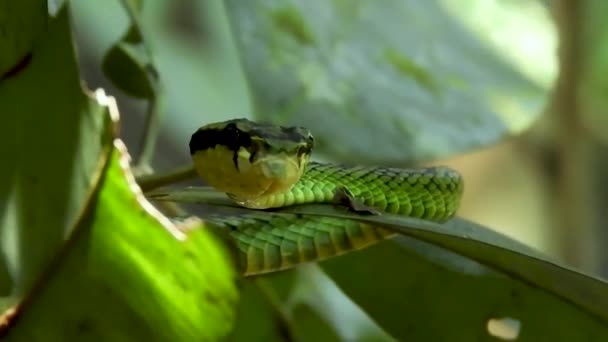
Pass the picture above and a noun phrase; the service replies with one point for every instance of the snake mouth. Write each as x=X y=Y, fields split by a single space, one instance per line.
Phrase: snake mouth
x=278 y=167
x=280 y=171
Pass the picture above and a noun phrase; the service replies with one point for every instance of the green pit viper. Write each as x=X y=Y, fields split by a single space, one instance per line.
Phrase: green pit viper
x=264 y=166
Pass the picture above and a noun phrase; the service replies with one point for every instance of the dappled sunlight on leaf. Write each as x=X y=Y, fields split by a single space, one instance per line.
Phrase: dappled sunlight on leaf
x=408 y=76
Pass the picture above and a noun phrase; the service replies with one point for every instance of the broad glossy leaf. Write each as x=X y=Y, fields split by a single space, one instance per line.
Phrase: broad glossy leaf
x=87 y=257
x=386 y=82
x=580 y=296
x=53 y=144
x=128 y=274
x=418 y=291
x=493 y=250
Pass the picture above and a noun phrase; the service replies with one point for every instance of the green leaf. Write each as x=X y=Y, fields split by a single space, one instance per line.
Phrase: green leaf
x=6 y=282
x=129 y=68
x=311 y=325
x=491 y=249
x=129 y=63
x=593 y=50
x=256 y=318
x=543 y=282
x=87 y=258
x=21 y=23
x=54 y=145
x=418 y=291
x=54 y=6
x=328 y=310
x=260 y=316
x=200 y=72
x=363 y=74
x=290 y=306
x=570 y=293
x=129 y=274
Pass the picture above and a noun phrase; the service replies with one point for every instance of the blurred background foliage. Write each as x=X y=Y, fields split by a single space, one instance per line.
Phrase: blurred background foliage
x=499 y=57
x=499 y=60
x=512 y=93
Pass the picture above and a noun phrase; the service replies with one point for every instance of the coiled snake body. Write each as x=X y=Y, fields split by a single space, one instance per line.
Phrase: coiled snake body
x=263 y=166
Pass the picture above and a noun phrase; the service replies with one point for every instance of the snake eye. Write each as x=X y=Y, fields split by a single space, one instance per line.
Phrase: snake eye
x=231 y=127
x=231 y=136
x=303 y=150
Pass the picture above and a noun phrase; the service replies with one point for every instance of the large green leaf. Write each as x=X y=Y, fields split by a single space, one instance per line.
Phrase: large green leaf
x=52 y=147
x=492 y=249
x=417 y=291
x=128 y=274
x=87 y=258
x=384 y=82
x=541 y=281
x=527 y=282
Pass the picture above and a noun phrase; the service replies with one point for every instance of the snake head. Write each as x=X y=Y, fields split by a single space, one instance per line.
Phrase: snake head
x=249 y=159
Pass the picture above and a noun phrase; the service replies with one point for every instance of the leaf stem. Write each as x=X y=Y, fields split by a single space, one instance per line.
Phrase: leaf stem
x=151 y=131
x=575 y=186
x=156 y=104
x=153 y=181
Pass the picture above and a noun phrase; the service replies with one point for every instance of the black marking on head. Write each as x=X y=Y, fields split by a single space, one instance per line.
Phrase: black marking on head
x=253 y=136
x=305 y=149
x=235 y=160
x=229 y=135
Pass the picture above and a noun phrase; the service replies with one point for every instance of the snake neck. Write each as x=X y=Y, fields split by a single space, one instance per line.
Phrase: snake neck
x=432 y=193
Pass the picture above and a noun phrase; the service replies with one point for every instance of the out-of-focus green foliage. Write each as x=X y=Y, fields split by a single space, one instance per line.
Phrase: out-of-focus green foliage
x=129 y=62
x=127 y=274
x=15 y=47
x=437 y=295
x=201 y=76
x=500 y=266
x=52 y=147
x=502 y=270
x=123 y=59
x=260 y=316
x=593 y=92
x=393 y=83
x=87 y=258
x=385 y=82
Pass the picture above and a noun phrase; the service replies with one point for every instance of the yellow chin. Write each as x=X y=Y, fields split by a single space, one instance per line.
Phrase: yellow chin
x=280 y=173
x=268 y=175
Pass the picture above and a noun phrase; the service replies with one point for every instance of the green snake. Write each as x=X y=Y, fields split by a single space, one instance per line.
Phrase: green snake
x=264 y=166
